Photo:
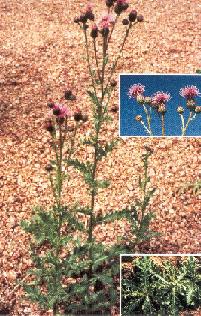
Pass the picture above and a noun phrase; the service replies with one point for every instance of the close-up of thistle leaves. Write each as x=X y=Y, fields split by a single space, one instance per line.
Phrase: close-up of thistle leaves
x=164 y=288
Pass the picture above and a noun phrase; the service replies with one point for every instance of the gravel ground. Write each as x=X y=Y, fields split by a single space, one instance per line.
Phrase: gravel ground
x=41 y=52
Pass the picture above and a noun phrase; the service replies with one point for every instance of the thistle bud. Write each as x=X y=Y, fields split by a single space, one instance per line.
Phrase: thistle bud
x=72 y=97
x=49 y=168
x=85 y=118
x=78 y=116
x=49 y=126
x=147 y=100
x=113 y=83
x=125 y=22
x=76 y=20
x=162 y=108
x=56 y=111
x=180 y=109
x=132 y=16
x=140 y=18
x=50 y=104
x=198 y=109
x=90 y=16
x=83 y=18
x=109 y=3
x=94 y=31
x=138 y=118
x=140 y=99
x=67 y=94
x=117 y=9
x=114 y=109
x=125 y=6
x=190 y=104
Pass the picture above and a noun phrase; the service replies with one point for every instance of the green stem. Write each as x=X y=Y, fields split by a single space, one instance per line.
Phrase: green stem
x=88 y=60
x=190 y=118
x=148 y=117
x=163 y=123
x=113 y=27
x=120 y=52
x=146 y=129
x=96 y=60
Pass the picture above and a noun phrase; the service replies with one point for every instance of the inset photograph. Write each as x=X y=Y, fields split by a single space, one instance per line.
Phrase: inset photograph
x=160 y=105
x=160 y=285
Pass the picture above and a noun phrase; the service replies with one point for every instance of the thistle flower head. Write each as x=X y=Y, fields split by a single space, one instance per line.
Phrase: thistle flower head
x=135 y=90
x=160 y=97
x=88 y=12
x=106 y=21
x=189 y=92
x=89 y=7
x=61 y=111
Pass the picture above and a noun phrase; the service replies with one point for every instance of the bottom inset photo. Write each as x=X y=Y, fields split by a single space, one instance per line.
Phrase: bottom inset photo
x=160 y=284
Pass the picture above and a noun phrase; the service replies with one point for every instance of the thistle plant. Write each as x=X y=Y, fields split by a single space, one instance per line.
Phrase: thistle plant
x=160 y=287
x=73 y=271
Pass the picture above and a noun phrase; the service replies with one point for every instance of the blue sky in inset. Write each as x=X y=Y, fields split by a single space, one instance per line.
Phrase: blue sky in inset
x=129 y=108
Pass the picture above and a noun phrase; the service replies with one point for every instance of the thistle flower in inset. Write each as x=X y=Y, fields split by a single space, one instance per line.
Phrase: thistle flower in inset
x=61 y=111
x=135 y=90
x=189 y=92
x=180 y=110
x=160 y=97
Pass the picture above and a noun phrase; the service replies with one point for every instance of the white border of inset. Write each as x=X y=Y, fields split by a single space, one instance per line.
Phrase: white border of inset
x=151 y=255
x=155 y=74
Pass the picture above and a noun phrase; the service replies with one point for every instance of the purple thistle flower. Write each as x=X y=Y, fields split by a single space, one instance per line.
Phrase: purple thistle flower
x=189 y=92
x=160 y=97
x=135 y=90
x=61 y=111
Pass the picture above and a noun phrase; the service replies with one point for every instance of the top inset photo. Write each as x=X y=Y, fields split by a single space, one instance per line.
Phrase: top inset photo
x=160 y=105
